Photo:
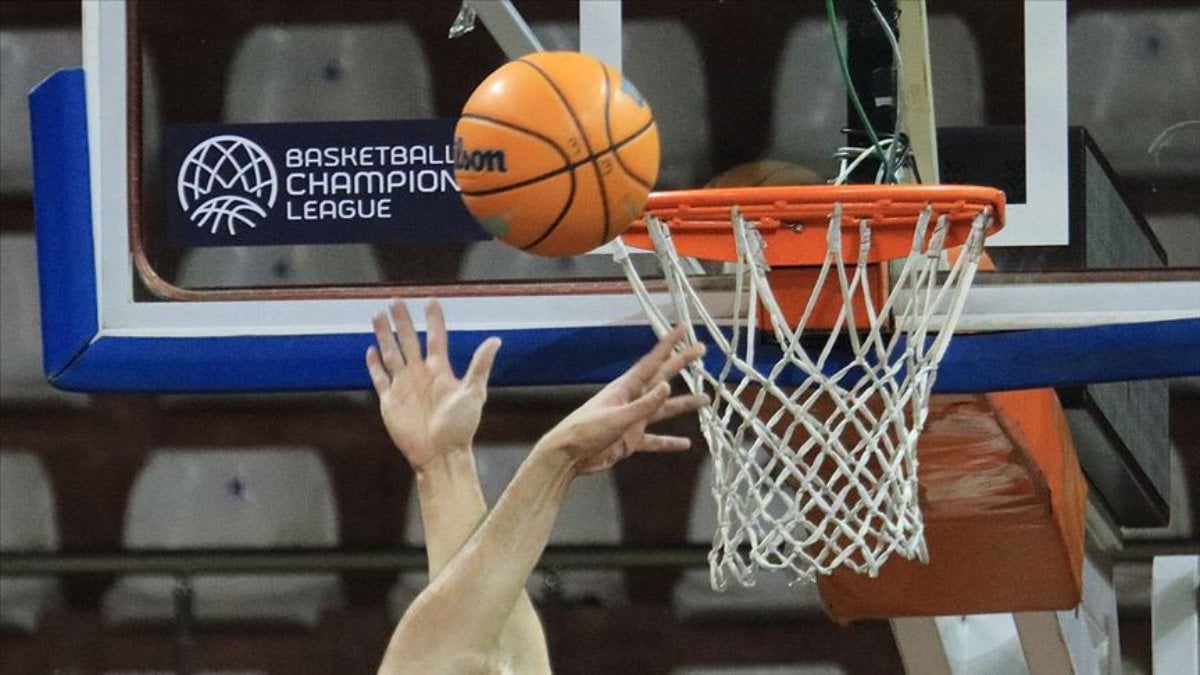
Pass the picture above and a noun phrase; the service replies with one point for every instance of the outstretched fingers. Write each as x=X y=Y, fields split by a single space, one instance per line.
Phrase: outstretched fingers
x=655 y=405
x=643 y=408
x=648 y=367
x=679 y=360
x=410 y=347
x=660 y=443
x=389 y=350
x=481 y=363
x=680 y=405
x=380 y=378
x=435 y=333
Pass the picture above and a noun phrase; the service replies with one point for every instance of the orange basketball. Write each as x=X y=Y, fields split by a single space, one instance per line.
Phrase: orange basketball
x=555 y=153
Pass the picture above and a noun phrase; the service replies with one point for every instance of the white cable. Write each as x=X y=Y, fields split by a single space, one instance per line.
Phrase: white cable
x=899 y=61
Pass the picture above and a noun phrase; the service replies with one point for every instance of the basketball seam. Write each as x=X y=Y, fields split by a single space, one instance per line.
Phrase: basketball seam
x=549 y=141
x=629 y=139
x=608 y=96
x=568 y=166
x=528 y=181
x=583 y=136
x=613 y=146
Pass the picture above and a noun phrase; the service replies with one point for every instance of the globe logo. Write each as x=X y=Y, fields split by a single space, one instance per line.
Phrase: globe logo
x=227 y=182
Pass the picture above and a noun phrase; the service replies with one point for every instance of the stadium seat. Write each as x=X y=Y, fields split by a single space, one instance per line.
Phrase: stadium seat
x=255 y=498
x=152 y=121
x=773 y=592
x=810 y=96
x=28 y=524
x=1126 y=87
x=495 y=260
x=197 y=672
x=957 y=71
x=809 y=107
x=250 y=266
x=321 y=73
x=591 y=515
x=27 y=56
x=22 y=378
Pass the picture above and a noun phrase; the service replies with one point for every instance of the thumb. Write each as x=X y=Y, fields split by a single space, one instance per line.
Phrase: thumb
x=481 y=363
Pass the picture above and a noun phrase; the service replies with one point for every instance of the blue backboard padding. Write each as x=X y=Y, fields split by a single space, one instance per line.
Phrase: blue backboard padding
x=1070 y=356
x=77 y=358
x=323 y=362
x=979 y=362
x=63 y=213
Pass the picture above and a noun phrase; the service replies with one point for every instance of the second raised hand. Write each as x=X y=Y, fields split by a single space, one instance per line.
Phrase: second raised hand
x=426 y=409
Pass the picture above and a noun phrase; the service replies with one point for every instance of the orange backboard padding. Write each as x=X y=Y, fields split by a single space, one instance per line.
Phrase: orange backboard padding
x=793 y=287
x=1004 y=503
x=794 y=220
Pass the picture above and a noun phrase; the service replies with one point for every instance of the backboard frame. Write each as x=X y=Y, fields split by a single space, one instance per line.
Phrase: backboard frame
x=100 y=338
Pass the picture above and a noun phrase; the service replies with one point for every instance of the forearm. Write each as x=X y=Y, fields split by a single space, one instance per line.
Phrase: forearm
x=468 y=605
x=452 y=509
x=452 y=505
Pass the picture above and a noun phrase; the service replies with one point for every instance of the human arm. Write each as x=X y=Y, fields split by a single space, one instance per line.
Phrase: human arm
x=432 y=417
x=452 y=624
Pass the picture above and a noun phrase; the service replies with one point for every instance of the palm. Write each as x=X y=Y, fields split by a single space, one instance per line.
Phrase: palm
x=612 y=425
x=426 y=409
x=615 y=443
x=428 y=412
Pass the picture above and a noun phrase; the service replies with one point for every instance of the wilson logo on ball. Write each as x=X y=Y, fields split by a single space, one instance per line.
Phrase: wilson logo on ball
x=584 y=151
x=491 y=159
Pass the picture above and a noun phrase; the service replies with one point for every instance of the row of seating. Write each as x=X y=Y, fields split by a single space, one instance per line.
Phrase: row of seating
x=1125 y=87
x=283 y=498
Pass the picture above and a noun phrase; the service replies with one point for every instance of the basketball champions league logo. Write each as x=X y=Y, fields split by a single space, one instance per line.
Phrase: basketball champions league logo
x=227 y=183
x=295 y=183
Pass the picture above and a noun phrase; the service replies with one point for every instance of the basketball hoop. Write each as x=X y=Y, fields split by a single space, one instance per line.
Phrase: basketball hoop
x=815 y=451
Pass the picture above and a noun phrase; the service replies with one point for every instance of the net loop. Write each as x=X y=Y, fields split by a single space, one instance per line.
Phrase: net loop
x=813 y=433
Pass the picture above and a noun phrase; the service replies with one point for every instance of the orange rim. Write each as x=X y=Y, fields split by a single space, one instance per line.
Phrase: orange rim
x=794 y=220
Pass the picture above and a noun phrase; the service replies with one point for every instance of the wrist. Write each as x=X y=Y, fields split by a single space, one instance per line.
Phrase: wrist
x=447 y=461
x=553 y=459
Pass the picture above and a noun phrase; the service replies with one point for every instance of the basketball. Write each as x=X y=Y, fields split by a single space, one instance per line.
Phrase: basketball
x=555 y=153
x=764 y=173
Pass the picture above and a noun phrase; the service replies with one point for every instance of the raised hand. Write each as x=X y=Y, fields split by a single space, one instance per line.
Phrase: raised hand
x=427 y=410
x=612 y=424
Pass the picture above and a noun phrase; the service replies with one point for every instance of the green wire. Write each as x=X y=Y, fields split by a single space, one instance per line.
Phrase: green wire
x=845 y=68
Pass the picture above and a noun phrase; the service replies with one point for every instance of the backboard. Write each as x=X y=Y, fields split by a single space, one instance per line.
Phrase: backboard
x=1085 y=298
x=136 y=296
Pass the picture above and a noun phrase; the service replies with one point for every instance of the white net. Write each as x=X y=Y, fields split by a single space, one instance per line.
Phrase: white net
x=814 y=455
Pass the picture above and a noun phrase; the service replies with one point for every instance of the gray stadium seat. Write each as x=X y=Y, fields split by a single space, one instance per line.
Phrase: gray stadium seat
x=810 y=96
x=256 y=498
x=809 y=108
x=1126 y=84
x=329 y=72
x=236 y=266
x=22 y=378
x=27 y=56
x=28 y=524
x=590 y=515
x=791 y=669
